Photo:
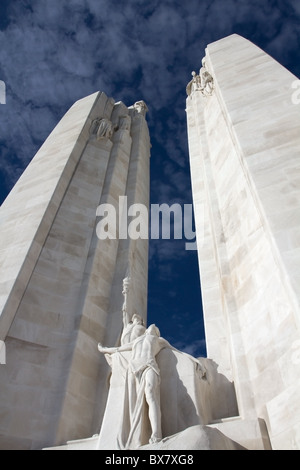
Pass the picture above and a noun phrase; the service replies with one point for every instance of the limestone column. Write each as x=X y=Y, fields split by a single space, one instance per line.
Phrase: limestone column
x=244 y=141
x=58 y=281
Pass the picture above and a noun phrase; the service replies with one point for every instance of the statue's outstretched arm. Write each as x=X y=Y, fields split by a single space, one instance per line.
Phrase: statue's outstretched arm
x=105 y=350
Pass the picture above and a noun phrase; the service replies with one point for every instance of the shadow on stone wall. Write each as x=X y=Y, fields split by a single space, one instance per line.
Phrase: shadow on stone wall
x=222 y=396
x=187 y=399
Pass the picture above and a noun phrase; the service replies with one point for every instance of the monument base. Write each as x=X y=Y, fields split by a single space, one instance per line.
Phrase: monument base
x=193 y=438
x=196 y=438
x=236 y=434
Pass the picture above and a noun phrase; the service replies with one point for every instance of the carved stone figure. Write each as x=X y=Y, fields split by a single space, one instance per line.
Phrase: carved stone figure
x=101 y=128
x=203 y=82
x=142 y=380
x=105 y=129
x=206 y=80
x=196 y=82
x=143 y=376
x=136 y=378
x=140 y=107
x=132 y=329
x=95 y=126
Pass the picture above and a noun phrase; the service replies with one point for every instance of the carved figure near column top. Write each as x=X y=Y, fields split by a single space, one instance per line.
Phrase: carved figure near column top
x=140 y=107
x=105 y=130
x=196 y=82
x=95 y=126
x=203 y=82
x=101 y=128
x=206 y=80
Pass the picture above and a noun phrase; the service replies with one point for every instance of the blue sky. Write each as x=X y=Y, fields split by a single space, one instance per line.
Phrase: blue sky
x=53 y=52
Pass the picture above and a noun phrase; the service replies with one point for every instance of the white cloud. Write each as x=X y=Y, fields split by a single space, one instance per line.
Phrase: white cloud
x=194 y=349
x=54 y=52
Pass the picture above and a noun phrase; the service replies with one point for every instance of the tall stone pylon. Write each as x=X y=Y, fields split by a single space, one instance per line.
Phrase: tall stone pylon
x=244 y=141
x=60 y=285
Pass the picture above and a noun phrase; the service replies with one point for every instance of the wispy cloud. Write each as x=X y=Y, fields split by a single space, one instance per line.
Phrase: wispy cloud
x=196 y=349
x=54 y=52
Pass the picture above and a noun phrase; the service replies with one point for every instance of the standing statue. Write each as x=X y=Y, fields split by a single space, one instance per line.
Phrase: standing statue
x=135 y=360
x=203 y=82
x=95 y=126
x=206 y=80
x=105 y=129
x=101 y=128
x=140 y=107
x=196 y=82
x=143 y=380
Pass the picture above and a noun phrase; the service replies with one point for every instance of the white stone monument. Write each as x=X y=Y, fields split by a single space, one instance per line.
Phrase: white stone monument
x=135 y=398
x=82 y=370
x=159 y=398
x=60 y=286
x=244 y=142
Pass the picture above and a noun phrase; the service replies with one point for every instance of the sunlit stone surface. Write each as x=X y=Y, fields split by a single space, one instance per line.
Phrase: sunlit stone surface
x=244 y=141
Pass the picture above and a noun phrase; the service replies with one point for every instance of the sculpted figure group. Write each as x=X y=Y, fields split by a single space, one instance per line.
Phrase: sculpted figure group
x=142 y=374
x=203 y=82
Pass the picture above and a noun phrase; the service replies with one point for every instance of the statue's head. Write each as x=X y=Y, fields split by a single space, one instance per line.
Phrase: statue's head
x=153 y=330
x=140 y=107
x=137 y=319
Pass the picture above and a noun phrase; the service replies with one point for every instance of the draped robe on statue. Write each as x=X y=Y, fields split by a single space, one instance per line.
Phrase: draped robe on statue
x=135 y=427
x=181 y=398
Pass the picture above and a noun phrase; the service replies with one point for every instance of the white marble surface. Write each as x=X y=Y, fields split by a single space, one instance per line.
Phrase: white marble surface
x=183 y=400
x=244 y=145
x=193 y=438
x=60 y=286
